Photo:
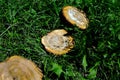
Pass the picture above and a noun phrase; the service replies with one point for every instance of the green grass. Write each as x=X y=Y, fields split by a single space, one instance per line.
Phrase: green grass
x=96 y=54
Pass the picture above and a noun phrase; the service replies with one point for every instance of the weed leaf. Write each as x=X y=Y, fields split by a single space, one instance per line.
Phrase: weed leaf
x=84 y=62
x=57 y=69
x=92 y=73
